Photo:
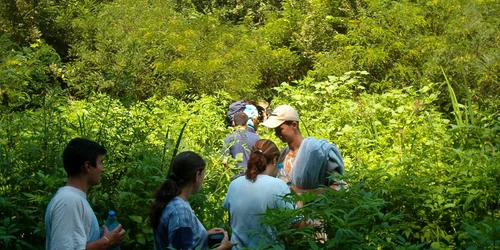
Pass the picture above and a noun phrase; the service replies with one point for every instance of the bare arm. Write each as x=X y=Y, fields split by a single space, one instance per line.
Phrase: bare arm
x=110 y=239
x=317 y=190
x=99 y=244
x=226 y=244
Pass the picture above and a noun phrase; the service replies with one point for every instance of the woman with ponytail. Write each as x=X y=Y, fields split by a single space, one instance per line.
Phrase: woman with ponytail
x=250 y=195
x=174 y=223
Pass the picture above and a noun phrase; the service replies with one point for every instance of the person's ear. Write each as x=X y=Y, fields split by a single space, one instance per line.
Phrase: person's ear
x=86 y=167
x=197 y=176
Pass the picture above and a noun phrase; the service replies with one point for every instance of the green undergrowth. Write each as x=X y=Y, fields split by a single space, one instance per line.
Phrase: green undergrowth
x=417 y=178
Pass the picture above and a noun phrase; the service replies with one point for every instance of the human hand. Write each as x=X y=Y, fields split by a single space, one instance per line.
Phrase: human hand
x=314 y=223
x=339 y=185
x=215 y=230
x=300 y=204
x=114 y=237
x=297 y=189
x=226 y=244
x=300 y=191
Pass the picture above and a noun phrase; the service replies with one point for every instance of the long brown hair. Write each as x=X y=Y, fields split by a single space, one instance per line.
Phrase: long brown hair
x=184 y=167
x=262 y=153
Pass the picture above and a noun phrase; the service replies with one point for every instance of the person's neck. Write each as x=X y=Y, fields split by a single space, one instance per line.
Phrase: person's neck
x=241 y=128
x=269 y=170
x=78 y=182
x=295 y=143
x=186 y=192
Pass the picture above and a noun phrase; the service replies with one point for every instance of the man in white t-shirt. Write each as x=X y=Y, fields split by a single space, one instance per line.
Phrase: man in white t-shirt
x=70 y=222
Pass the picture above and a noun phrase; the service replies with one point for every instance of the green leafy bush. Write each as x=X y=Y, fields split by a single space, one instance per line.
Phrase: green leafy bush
x=415 y=181
x=406 y=43
x=407 y=165
x=27 y=74
x=406 y=89
x=138 y=49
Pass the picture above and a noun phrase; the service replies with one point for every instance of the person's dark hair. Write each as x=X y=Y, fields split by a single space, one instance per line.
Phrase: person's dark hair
x=240 y=119
x=261 y=112
x=290 y=123
x=77 y=152
x=184 y=167
x=262 y=153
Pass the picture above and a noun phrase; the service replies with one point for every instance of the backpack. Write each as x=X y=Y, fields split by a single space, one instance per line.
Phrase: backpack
x=235 y=107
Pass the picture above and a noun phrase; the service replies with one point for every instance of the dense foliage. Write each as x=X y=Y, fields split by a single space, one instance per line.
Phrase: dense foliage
x=133 y=50
x=408 y=90
x=416 y=179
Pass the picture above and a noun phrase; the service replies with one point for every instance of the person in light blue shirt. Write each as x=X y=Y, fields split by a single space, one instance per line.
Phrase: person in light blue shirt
x=250 y=195
x=174 y=223
x=70 y=222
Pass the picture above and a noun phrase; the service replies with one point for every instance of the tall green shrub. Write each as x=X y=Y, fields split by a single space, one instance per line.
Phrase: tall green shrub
x=27 y=74
x=140 y=49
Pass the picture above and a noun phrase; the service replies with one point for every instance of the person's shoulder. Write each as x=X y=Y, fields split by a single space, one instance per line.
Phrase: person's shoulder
x=69 y=193
x=179 y=207
x=178 y=202
x=253 y=134
x=233 y=134
x=270 y=180
x=274 y=185
x=177 y=212
x=175 y=207
x=251 y=130
x=181 y=210
x=312 y=139
x=229 y=136
x=238 y=181
x=67 y=201
x=315 y=144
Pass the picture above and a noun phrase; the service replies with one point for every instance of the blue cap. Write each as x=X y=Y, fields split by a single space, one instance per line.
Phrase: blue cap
x=280 y=165
x=111 y=213
x=252 y=112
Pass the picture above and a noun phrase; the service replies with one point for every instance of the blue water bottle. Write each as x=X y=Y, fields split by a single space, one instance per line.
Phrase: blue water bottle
x=111 y=224
x=283 y=175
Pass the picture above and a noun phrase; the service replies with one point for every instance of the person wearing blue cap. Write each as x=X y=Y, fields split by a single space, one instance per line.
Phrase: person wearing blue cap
x=253 y=118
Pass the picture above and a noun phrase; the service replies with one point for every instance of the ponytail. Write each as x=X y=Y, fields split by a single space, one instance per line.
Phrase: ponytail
x=257 y=163
x=263 y=152
x=163 y=195
x=184 y=167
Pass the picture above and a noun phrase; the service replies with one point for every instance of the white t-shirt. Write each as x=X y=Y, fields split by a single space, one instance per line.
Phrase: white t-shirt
x=70 y=222
x=246 y=200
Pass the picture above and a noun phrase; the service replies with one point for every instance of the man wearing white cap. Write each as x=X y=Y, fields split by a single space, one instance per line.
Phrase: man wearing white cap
x=308 y=161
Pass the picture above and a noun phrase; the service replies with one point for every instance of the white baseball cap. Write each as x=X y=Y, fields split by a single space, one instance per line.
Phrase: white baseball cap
x=280 y=115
